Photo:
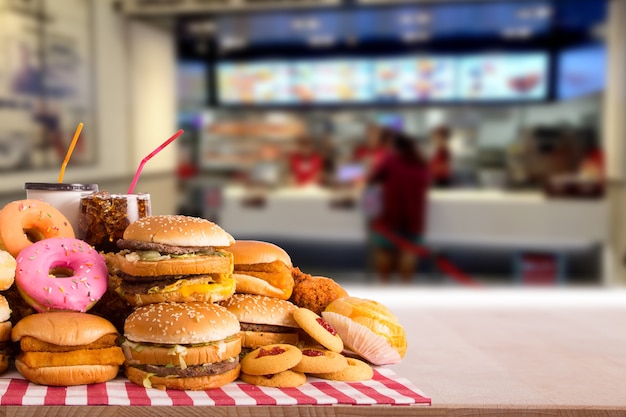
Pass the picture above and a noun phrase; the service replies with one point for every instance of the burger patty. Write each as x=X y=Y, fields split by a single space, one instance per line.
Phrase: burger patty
x=268 y=328
x=142 y=287
x=161 y=248
x=171 y=278
x=193 y=370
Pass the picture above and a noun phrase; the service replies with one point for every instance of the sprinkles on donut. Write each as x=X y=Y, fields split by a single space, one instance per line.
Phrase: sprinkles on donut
x=61 y=274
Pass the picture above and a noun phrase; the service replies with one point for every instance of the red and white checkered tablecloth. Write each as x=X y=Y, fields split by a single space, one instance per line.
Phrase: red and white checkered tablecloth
x=385 y=388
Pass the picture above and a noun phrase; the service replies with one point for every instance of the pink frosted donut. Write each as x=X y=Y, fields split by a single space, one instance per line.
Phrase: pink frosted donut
x=61 y=274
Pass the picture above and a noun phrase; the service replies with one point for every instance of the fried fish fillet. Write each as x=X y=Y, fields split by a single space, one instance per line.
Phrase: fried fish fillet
x=273 y=267
x=106 y=356
x=30 y=344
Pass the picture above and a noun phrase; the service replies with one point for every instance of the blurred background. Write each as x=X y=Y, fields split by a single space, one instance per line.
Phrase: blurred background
x=377 y=141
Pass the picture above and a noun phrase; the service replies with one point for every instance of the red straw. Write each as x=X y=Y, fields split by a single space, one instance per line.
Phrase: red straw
x=147 y=158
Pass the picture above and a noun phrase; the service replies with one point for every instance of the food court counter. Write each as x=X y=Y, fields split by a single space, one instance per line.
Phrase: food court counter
x=455 y=217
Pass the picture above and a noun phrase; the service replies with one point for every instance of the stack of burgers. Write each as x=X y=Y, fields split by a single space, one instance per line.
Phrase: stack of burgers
x=198 y=310
x=172 y=270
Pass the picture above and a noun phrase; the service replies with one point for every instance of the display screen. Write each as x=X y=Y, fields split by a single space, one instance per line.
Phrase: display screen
x=254 y=83
x=582 y=71
x=331 y=81
x=409 y=79
x=191 y=84
x=503 y=77
x=414 y=79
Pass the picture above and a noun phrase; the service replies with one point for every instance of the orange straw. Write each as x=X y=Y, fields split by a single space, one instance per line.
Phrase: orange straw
x=79 y=128
x=150 y=155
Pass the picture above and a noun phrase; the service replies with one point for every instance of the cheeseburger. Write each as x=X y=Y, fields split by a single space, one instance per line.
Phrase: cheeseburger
x=67 y=348
x=184 y=346
x=262 y=268
x=173 y=259
x=263 y=320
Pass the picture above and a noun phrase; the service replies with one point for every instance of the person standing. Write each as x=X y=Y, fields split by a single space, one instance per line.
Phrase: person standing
x=306 y=164
x=404 y=181
x=441 y=161
x=375 y=149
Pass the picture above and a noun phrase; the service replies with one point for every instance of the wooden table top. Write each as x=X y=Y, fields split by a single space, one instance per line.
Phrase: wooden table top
x=516 y=352
x=505 y=352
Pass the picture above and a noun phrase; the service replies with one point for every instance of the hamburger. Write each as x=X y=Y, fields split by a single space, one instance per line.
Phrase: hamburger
x=263 y=320
x=262 y=268
x=184 y=346
x=173 y=259
x=67 y=348
x=5 y=333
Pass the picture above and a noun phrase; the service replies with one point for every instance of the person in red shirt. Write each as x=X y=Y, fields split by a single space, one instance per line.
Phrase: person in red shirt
x=306 y=164
x=404 y=181
x=441 y=161
x=375 y=149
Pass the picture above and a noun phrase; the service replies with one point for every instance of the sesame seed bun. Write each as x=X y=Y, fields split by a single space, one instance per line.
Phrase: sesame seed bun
x=176 y=230
x=64 y=376
x=63 y=328
x=258 y=309
x=180 y=323
x=162 y=355
x=179 y=266
x=143 y=378
x=265 y=311
x=186 y=346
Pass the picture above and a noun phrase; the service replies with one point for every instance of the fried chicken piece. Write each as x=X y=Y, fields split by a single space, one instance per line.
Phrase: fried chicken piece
x=315 y=293
x=299 y=275
x=106 y=356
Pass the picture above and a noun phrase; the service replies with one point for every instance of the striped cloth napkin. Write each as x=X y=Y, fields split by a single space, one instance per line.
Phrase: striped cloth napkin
x=385 y=388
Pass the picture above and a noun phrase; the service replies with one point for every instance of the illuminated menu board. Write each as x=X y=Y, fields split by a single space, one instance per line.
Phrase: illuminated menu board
x=331 y=81
x=414 y=79
x=503 y=77
x=411 y=79
x=254 y=83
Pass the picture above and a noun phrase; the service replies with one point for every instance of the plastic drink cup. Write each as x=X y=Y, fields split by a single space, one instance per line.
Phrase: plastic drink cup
x=63 y=197
x=103 y=217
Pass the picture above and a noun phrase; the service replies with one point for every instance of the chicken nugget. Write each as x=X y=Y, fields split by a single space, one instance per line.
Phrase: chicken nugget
x=315 y=293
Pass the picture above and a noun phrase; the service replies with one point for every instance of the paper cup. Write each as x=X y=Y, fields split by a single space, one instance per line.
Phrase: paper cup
x=63 y=197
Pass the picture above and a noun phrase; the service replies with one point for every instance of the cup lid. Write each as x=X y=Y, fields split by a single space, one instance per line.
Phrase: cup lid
x=57 y=186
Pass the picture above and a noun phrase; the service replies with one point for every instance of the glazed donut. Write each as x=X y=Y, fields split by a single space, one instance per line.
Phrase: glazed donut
x=61 y=274
x=23 y=222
